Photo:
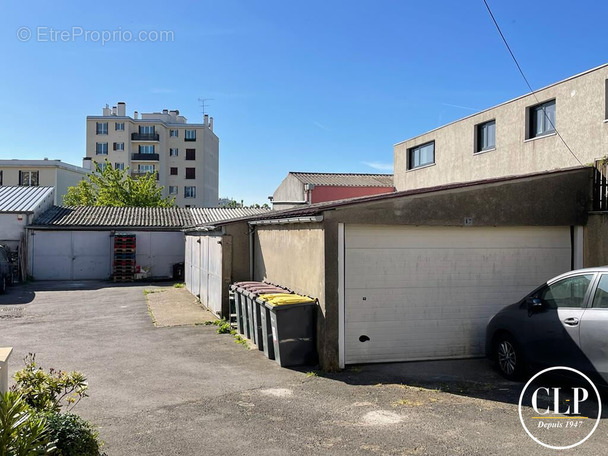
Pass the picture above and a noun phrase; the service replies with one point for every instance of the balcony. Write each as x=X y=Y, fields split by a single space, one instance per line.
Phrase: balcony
x=144 y=136
x=138 y=174
x=145 y=157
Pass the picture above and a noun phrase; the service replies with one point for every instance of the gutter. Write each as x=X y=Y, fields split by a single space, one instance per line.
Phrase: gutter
x=287 y=221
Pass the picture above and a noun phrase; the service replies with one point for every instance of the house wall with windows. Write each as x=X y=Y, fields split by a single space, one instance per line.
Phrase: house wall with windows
x=41 y=173
x=184 y=156
x=513 y=138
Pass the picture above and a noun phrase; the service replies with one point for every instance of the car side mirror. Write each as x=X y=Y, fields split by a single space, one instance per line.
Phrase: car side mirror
x=534 y=304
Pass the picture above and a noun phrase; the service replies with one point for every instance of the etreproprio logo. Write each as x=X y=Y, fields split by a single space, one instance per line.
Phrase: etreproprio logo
x=560 y=417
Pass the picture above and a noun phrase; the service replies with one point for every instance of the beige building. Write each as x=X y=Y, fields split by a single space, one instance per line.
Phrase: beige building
x=41 y=173
x=185 y=156
x=560 y=126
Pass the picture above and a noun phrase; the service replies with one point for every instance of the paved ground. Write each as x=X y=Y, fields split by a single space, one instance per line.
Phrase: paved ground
x=171 y=306
x=188 y=391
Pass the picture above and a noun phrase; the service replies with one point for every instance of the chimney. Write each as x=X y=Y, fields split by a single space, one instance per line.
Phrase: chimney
x=165 y=111
x=87 y=162
x=122 y=109
x=206 y=120
x=106 y=110
x=211 y=123
x=114 y=110
x=136 y=115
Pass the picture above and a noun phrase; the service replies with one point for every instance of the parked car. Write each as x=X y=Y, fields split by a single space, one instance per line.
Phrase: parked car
x=564 y=322
x=6 y=273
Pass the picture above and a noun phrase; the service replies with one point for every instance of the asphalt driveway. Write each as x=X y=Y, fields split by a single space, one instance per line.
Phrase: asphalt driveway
x=189 y=391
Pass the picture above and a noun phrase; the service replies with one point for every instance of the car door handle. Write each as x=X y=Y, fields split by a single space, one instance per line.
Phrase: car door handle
x=571 y=321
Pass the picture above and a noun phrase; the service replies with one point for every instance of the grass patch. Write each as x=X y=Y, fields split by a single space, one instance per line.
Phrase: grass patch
x=311 y=374
x=408 y=403
x=179 y=285
x=223 y=326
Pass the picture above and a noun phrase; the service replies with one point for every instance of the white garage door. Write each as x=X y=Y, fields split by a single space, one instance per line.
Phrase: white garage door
x=71 y=255
x=414 y=293
x=204 y=270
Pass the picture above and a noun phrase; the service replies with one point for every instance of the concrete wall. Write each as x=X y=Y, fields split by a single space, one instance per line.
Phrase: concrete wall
x=290 y=189
x=11 y=227
x=580 y=119
x=65 y=179
x=595 y=240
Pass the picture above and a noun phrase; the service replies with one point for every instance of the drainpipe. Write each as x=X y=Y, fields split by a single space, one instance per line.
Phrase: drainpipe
x=251 y=250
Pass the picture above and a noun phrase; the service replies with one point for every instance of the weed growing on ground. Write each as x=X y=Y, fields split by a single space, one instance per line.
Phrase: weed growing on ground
x=240 y=340
x=179 y=285
x=311 y=374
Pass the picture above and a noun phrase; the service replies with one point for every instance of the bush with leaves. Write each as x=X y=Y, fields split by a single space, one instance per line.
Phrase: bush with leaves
x=49 y=391
x=73 y=435
x=22 y=431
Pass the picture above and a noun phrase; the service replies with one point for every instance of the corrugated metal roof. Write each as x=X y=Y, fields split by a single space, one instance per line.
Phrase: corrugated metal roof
x=115 y=217
x=148 y=217
x=206 y=215
x=23 y=199
x=345 y=179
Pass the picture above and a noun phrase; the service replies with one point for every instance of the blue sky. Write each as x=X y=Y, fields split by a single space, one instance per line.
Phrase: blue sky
x=296 y=86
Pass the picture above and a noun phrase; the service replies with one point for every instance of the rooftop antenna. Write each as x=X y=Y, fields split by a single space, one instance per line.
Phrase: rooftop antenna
x=203 y=102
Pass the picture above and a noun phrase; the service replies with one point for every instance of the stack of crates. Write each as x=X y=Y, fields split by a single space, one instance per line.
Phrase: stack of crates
x=124 y=258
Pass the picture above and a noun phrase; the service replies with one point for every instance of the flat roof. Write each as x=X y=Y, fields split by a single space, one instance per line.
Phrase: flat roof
x=18 y=163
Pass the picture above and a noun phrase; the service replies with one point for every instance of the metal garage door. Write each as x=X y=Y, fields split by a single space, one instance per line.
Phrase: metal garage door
x=204 y=260
x=71 y=255
x=428 y=292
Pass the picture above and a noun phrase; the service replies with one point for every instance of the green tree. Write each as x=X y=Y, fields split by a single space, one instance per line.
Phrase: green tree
x=114 y=187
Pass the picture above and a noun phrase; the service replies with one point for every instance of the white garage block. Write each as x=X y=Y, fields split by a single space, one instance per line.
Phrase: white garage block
x=428 y=292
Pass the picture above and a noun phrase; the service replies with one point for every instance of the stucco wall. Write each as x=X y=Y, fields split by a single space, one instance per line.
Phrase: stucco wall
x=595 y=240
x=580 y=119
x=292 y=256
x=11 y=228
x=290 y=189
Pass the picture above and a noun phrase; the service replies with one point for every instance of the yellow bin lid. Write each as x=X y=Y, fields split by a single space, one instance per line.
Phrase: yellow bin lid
x=269 y=296
x=289 y=299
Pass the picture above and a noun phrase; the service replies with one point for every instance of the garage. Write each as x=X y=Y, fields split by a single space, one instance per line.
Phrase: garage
x=203 y=269
x=423 y=292
x=78 y=243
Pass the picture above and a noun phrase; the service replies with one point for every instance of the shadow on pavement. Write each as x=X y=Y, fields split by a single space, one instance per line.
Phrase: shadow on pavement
x=25 y=293
x=474 y=378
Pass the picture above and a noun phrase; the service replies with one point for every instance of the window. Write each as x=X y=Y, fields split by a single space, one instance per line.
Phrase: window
x=173 y=171
x=568 y=292
x=146 y=129
x=600 y=300
x=101 y=148
x=485 y=136
x=173 y=133
x=146 y=149
x=102 y=166
x=173 y=152
x=119 y=146
x=119 y=126
x=190 y=173
x=28 y=178
x=172 y=189
x=190 y=154
x=101 y=128
x=119 y=166
x=541 y=119
x=189 y=192
x=421 y=155
x=190 y=135
x=145 y=168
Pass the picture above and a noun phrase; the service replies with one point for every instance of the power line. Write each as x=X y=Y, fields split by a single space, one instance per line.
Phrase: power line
x=528 y=83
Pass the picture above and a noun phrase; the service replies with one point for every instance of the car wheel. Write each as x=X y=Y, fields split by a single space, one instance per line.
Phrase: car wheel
x=509 y=358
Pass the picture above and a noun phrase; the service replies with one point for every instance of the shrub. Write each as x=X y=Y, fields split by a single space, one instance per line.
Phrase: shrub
x=49 y=391
x=22 y=432
x=73 y=435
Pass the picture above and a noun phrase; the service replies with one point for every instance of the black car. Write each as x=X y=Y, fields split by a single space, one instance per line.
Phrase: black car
x=564 y=322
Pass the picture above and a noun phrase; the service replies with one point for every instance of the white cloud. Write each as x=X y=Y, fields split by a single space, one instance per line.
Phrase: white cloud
x=320 y=125
x=380 y=166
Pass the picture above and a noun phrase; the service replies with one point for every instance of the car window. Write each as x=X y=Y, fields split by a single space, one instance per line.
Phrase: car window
x=600 y=300
x=568 y=292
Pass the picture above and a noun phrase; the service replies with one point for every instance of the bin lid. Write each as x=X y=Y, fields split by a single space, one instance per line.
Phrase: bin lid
x=283 y=300
x=269 y=296
x=266 y=290
x=241 y=284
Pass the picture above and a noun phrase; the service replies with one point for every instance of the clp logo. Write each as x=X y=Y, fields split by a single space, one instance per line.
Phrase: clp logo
x=560 y=416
